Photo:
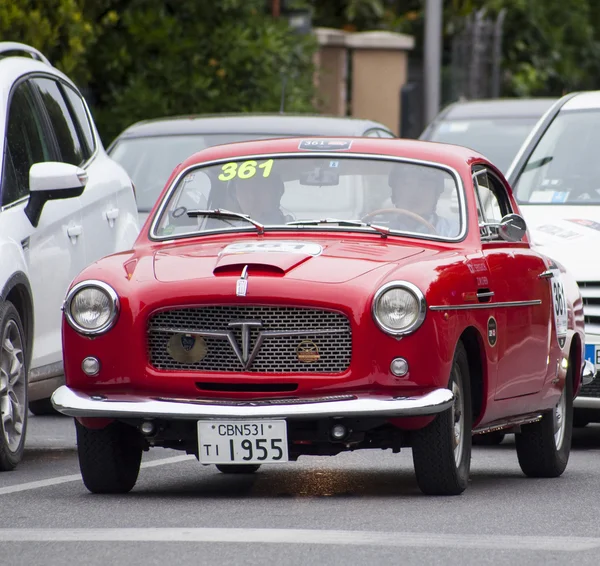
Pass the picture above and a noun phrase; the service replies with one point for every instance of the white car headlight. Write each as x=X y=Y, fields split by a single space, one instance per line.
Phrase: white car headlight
x=399 y=308
x=91 y=307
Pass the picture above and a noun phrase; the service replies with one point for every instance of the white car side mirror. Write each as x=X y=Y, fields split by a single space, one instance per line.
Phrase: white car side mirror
x=54 y=176
x=51 y=181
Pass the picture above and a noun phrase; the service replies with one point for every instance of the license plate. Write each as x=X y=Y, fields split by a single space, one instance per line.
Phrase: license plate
x=592 y=353
x=242 y=442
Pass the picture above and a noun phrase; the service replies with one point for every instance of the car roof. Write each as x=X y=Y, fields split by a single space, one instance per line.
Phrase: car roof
x=454 y=156
x=13 y=67
x=498 y=108
x=269 y=124
x=583 y=101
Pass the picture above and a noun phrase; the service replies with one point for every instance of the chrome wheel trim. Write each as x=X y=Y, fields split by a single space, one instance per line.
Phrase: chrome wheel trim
x=12 y=386
x=559 y=415
x=458 y=420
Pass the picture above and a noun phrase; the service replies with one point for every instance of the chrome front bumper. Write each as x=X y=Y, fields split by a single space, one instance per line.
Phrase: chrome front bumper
x=77 y=404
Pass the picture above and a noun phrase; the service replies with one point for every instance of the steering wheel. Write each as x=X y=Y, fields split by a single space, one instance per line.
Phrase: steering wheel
x=401 y=212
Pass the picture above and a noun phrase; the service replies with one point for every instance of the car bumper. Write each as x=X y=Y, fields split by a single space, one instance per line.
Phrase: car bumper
x=78 y=404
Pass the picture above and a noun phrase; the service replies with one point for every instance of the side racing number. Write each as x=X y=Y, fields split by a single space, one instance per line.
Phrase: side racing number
x=559 y=304
x=245 y=170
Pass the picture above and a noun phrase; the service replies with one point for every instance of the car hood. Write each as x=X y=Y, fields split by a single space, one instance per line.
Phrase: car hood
x=326 y=261
x=568 y=234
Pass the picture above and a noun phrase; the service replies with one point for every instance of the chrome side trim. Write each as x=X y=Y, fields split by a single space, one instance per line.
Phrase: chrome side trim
x=485 y=305
x=77 y=404
x=546 y=274
x=508 y=424
x=48 y=371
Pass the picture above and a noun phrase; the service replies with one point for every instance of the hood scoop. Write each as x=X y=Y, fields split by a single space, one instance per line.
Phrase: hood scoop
x=268 y=263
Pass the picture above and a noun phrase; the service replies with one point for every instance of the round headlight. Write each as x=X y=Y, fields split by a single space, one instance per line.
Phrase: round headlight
x=91 y=307
x=399 y=308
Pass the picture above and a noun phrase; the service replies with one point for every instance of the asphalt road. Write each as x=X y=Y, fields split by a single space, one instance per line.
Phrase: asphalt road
x=361 y=508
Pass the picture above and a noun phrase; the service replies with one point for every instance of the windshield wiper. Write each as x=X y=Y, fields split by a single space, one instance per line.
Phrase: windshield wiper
x=222 y=213
x=381 y=229
x=539 y=163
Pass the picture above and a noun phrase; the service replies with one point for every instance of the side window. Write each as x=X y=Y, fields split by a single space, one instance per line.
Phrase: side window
x=25 y=144
x=81 y=113
x=64 y=128
x=492 y=202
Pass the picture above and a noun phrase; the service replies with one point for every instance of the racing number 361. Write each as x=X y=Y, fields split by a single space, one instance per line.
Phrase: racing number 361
x=258 y=449
x=245 y=170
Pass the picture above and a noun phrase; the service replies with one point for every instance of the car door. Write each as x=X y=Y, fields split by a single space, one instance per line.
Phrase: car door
x=521 y=296
x=99 y=204
x=53 y=251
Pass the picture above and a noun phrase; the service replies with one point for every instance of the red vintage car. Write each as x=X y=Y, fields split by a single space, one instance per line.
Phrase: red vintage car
x=310 y=296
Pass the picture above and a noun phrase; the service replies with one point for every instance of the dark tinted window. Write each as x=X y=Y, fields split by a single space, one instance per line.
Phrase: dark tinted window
x=25 y=144
x=83 y=118
x=62 y=123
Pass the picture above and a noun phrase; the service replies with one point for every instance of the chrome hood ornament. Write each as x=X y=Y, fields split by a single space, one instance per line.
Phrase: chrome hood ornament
x=241 y=286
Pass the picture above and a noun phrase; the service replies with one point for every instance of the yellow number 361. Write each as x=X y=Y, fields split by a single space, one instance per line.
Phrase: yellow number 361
x=245 y=170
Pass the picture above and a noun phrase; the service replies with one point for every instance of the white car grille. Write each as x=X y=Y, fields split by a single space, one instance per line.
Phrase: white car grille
x=590 y=291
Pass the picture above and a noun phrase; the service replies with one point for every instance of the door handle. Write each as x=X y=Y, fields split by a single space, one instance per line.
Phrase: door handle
x=74 y=232
x=546 y=274
x=111 y=215
x=484 y=295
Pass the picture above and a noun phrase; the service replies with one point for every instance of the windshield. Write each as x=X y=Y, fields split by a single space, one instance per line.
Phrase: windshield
x=498 y=139
x=150 y=161
x=564 y=167
x=295 y=193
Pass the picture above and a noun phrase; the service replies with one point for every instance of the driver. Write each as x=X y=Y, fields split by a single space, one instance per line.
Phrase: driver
x=417 y=189
x=259 y=198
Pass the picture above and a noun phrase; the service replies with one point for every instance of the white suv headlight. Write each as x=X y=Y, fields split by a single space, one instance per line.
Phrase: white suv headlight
x=399 y=308
x=91 y=307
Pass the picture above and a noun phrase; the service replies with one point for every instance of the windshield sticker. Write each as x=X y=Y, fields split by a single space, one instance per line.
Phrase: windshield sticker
x=334 y=164
x=325 y=145
x=583 y=222
x=456 y=127
x=279 y=246
x=549 y=196
x=245 y=170
x=558 y=232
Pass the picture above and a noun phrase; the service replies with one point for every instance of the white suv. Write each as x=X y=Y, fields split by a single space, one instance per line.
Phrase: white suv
x=63 y=205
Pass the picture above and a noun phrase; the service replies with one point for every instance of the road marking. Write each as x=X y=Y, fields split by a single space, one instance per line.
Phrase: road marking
x=77 y=477
x=305 y=536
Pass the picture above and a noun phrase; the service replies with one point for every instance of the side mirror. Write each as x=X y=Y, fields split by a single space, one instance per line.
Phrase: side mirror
x=51 y=181
x=588 y=374
x=512 y=228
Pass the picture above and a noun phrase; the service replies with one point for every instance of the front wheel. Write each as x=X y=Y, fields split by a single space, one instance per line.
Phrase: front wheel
x=442 y=450
x=109 y=458
x=543 y=447
x=13 y=387
x=237 y=468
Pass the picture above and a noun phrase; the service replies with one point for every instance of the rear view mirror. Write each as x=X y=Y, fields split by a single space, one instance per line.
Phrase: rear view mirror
x=512 y=228
x=50 y=181
x=320 y=177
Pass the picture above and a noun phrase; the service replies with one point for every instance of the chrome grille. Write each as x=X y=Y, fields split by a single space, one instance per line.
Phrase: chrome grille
x=591 y=390
x=330 y=331
x=590 y=292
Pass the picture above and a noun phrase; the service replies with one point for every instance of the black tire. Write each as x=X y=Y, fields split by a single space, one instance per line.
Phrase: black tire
x=13 y=391
x=109 y=458
x=237 y=468
x=489 y=438
x=539 y=456
x=43 y=407
x=433 y=447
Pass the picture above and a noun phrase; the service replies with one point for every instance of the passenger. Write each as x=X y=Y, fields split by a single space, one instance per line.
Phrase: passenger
x=417 y=189
x=259 y=198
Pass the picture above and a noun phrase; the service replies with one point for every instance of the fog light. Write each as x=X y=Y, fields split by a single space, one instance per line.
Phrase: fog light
x=147 y=428
x=90 y=366
x=338 y=431
x=399 y=367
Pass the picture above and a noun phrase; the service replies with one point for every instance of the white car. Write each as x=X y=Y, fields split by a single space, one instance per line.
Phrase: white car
x=556 y=179
x=63 y=205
